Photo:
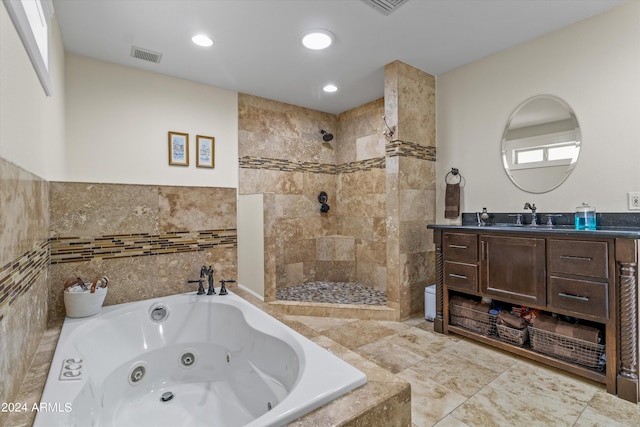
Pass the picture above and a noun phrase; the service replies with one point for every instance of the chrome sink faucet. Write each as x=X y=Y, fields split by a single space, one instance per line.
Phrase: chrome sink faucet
x=482 y=217
x=534 y=217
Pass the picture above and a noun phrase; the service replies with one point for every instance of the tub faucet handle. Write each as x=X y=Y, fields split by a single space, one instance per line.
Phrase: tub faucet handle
x=200 y=287
x=223 y=288
x=203 y=272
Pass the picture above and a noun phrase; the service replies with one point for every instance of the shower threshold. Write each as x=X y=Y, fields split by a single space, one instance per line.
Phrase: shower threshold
x=333 y=293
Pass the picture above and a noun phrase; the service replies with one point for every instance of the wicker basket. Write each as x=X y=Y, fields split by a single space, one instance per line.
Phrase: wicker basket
x=570 y=349
x=511 y=335
x=474 y=320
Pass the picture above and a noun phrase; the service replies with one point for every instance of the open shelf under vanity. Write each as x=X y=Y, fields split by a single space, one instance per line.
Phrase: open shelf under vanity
x=585 y=281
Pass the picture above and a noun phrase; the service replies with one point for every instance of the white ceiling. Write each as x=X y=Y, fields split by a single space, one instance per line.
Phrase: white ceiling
x=257 y=48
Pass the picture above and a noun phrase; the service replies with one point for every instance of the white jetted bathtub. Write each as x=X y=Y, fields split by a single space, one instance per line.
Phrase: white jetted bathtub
x=188 y=360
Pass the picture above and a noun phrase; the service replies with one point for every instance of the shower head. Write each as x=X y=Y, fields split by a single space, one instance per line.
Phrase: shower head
x=326 y=136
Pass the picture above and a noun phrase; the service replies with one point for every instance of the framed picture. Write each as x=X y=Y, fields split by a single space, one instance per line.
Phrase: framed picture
x=178 y=149
x=205 y=150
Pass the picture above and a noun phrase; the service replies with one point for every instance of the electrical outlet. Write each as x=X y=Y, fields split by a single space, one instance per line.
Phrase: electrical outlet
x=634 y=200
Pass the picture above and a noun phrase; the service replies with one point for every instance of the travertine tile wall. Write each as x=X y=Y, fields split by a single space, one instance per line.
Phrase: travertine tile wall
x=282 y=152
x=381 y=190
x=24 y=258
x=149 y=240
x=410 y=105
x=362 y=189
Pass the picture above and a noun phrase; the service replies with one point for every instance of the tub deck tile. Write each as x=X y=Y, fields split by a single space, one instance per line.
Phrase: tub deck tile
x=33 y=383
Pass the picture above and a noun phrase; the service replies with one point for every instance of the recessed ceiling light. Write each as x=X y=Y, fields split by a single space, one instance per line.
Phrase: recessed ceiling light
x=202 y=40
x=330 y=88
x=317 y=39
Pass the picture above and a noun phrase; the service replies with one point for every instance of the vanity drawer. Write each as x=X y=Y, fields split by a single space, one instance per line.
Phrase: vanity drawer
x=578 y=296
x=583 y=258
x=461 y=276
x=460 y=247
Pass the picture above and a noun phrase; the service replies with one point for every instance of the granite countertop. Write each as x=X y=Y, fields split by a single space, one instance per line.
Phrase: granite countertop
x=564 y=230
x=609 y=224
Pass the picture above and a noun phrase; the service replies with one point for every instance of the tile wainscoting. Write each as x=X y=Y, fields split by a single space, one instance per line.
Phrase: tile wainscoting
x=147 y=239
x=24 y=259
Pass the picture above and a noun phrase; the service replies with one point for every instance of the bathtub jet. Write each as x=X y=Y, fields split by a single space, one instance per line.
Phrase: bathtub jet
x=160 y=372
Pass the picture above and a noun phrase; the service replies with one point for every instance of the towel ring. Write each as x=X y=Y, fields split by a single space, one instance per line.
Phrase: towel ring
x=452 y=174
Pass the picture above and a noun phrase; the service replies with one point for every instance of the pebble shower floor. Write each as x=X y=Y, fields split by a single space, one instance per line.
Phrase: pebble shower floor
x=333 y=292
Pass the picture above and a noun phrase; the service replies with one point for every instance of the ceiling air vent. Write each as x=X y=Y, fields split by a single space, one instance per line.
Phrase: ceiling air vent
x=385 y=6
x=145 y=54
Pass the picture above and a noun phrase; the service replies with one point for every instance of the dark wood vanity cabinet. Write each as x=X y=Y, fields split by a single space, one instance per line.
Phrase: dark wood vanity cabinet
x=461 y=261
x=579 y=276
x=588 y=276
x=512 y=269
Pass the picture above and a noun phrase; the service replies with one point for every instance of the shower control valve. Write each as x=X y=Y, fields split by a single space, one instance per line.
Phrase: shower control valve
x=322 y=199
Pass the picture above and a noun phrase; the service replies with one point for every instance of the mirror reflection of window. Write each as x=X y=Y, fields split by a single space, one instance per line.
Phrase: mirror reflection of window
x=562 y=152
x=541 y=143
x=529 y=156
x=544 y=156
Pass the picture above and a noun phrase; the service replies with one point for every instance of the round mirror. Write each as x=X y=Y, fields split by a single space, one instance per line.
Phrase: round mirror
x=541 y=143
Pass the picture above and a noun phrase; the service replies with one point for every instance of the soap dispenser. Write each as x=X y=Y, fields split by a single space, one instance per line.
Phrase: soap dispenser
x=585 y=217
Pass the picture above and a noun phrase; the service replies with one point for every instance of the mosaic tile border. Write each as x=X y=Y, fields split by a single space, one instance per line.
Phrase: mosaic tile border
x=78 y=249
x=392 y=149
x=17 y=277
x=251 y=162
x=410 y=149
x=362 y=165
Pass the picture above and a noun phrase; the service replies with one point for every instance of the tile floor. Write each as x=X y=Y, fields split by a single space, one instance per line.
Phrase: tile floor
x=456 y=382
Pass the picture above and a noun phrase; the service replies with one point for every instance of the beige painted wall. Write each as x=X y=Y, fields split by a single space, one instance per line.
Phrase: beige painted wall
x=31 y=150
x=117 y=123
x=594 y=65
x=32 y=134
